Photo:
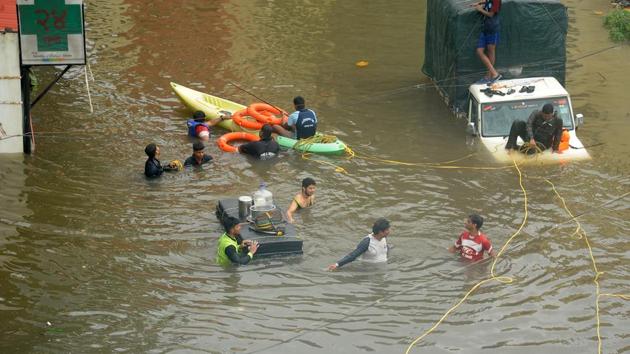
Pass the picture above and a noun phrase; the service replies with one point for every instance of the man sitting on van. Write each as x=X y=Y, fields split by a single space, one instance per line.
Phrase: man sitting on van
x=543 y=129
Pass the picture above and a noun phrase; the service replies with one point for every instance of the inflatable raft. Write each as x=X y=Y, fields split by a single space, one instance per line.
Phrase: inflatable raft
x=268 y=243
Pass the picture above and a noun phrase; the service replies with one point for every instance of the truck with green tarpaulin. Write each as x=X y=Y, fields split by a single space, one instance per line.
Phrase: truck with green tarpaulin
x=532 y=42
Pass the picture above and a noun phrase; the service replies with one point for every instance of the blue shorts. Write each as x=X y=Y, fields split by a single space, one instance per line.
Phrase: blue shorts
x=485 y=39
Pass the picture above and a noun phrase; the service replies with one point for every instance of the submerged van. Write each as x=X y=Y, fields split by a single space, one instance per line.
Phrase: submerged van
x=492 y=109
x=531 y=53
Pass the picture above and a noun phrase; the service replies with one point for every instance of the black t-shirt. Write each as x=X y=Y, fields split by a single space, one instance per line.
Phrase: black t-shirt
x=546 y=132
x=191 y=161
x=262 y=149
x=153 y=168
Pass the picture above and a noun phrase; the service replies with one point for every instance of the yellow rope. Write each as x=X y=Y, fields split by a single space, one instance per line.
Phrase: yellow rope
x=625 y=297
x=318 y=138
x=436 y=165
x=446 y=314
x=304 y=145
x=525 y=216
x=349 y=152
x=594 y=264
x=527 y=147
x=502 y=279
x=305 y=156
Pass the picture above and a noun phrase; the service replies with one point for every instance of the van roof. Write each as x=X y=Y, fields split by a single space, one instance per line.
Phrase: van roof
x=544 y=87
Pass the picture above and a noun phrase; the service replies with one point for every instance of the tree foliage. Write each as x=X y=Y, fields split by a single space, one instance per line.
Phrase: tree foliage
x=618 y=23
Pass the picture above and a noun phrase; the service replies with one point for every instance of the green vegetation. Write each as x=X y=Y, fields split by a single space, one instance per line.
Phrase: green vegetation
x=618 y=22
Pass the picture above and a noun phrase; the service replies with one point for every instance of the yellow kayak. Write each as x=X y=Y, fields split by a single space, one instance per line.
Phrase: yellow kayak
x=210 y=105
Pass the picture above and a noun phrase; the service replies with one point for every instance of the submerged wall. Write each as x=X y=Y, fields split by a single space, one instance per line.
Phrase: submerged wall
x=11 y=108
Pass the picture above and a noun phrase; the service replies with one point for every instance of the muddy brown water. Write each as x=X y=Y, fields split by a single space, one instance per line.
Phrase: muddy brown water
x=94 y=258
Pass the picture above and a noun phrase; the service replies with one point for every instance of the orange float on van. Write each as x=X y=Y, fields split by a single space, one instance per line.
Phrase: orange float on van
x=564 y=140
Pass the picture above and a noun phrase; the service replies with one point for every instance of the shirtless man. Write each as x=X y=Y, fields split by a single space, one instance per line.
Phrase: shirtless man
x=304 y=199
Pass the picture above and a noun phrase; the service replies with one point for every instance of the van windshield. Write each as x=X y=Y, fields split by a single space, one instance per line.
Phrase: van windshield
x=497 y=117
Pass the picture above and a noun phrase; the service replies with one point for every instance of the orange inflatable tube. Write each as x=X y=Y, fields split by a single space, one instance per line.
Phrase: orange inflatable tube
x=266 y=113
x=239 y=118
x=225 y=139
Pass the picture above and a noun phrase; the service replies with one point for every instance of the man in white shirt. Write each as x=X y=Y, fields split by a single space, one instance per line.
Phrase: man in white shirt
x=372 y=248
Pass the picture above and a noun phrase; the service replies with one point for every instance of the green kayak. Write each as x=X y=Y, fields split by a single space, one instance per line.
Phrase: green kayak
x=337 y=147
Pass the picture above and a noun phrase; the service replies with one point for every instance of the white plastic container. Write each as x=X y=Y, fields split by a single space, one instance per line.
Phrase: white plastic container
x=263 y=197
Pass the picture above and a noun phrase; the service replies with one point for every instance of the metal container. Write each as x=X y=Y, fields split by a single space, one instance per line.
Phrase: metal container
x=244 y=205
x=258 y=210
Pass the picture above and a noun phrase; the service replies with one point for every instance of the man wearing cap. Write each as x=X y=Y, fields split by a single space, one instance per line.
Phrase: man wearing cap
x=199 y=127
x=198 y=157
x=231 y=248
x=264 y=149
x=301 y=124
x=543 y=129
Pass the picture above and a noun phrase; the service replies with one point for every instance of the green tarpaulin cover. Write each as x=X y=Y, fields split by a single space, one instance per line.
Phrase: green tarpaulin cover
x=531 y=43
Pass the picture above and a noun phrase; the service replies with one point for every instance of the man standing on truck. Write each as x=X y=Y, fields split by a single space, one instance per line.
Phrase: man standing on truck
x=489 y=37
x=543 y=129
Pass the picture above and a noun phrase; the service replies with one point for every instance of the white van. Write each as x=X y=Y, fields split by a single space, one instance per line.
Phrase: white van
x=492 y=109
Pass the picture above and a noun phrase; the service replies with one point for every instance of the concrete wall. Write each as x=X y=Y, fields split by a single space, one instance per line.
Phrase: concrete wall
x=10 y=95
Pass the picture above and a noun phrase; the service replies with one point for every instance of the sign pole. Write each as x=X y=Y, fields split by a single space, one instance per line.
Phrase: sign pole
x=50 y=86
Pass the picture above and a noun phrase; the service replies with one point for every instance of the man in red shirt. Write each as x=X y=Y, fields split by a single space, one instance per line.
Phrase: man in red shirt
x=472 y=243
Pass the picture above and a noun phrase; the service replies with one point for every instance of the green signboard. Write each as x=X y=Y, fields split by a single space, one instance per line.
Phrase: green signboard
x=51 y=32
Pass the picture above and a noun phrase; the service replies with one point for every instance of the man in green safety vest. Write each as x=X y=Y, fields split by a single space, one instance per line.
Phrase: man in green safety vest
x=232 y=249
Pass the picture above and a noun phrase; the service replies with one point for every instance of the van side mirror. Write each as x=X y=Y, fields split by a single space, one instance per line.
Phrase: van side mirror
x=471 y=129
x=579 y=119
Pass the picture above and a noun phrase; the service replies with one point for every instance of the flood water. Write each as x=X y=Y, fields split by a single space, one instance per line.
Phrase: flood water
x=95 y=258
